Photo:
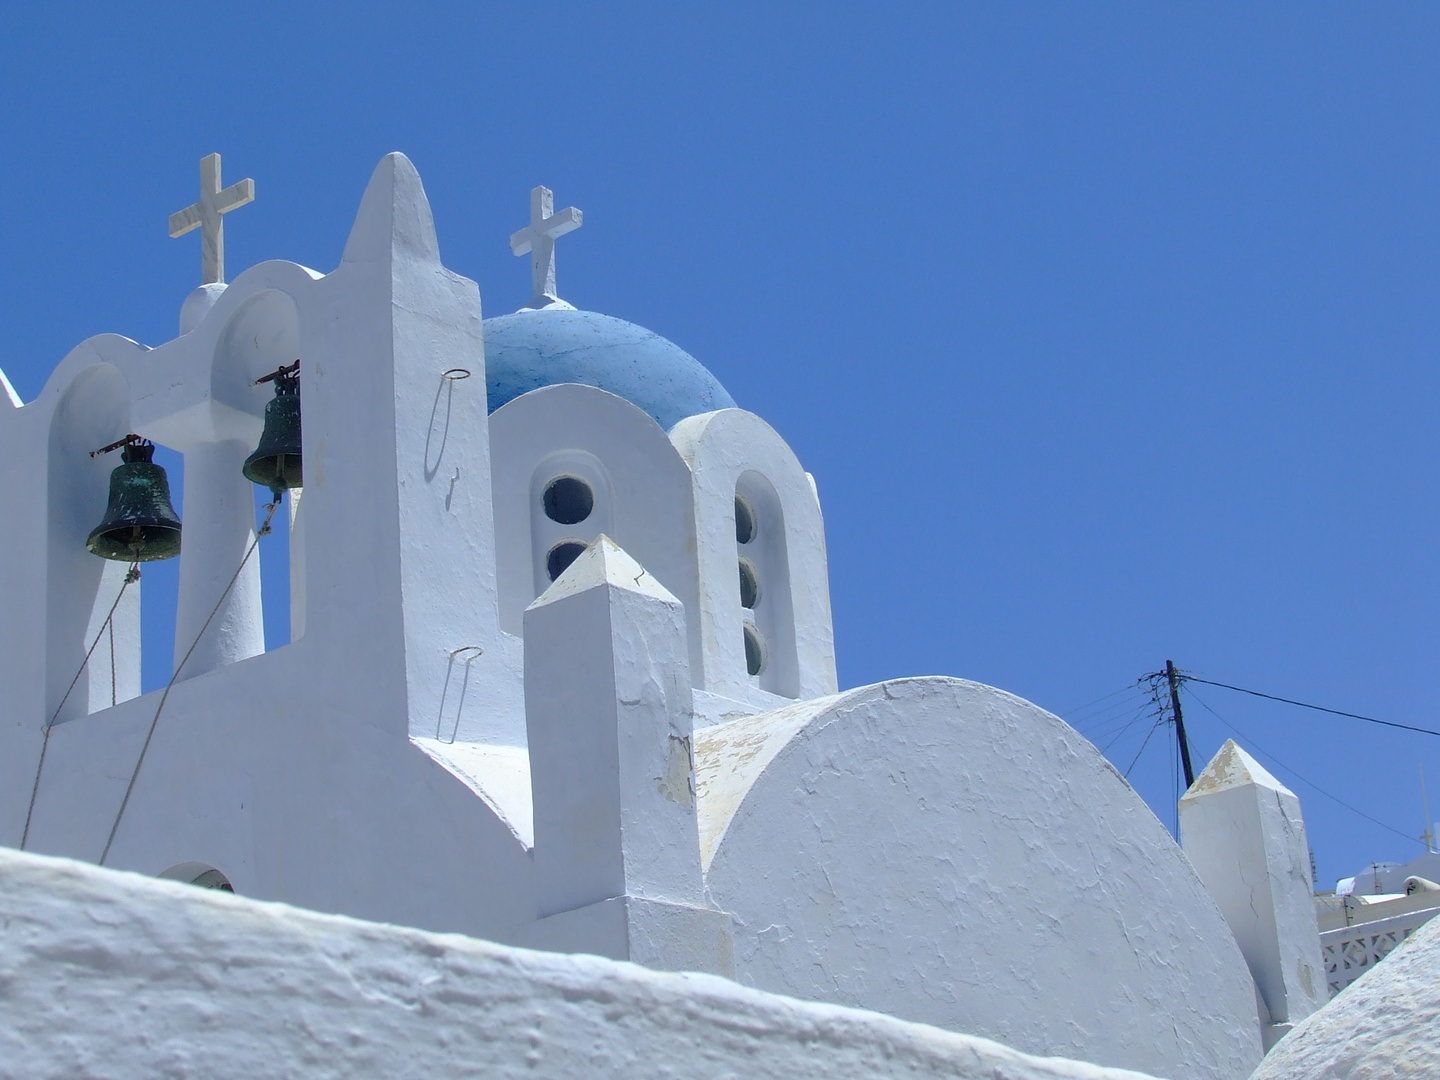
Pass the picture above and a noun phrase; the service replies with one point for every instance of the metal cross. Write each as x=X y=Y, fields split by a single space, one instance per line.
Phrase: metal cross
x=538 y=238
x=205 y=215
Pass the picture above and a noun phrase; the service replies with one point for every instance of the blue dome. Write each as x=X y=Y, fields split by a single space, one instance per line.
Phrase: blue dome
x=531 y=349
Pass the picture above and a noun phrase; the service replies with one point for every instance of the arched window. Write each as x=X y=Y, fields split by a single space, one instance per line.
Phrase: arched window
x=767 y=618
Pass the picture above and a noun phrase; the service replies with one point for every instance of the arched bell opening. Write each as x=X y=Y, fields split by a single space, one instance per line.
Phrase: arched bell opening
x=88 y=601
x=257 y=371
x=215 y=627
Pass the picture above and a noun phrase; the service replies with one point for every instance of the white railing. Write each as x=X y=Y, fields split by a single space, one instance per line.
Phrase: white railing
x=1351 y=951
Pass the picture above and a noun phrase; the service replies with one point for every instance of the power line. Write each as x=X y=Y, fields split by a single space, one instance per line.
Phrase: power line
x=1095 y=727
x=1307 y=705
x=1139 y=715
x=1135 y=760
x=1081 y=708
x=1305 y=780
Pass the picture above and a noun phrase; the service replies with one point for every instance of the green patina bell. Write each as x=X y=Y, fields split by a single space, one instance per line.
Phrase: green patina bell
x=276 y=461
x=140 y=524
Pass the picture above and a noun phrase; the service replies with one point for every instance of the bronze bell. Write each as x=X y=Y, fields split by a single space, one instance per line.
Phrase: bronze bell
x=140 y=524
x=276 y=461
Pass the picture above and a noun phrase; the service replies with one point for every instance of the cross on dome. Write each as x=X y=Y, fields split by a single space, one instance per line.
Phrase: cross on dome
x=538 y=238
x=205 y=215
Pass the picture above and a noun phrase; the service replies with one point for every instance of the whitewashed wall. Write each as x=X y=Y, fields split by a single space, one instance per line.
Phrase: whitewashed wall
x=115 y=975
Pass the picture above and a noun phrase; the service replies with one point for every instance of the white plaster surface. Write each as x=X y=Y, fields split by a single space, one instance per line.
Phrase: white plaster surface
x=732 y=451
x=1384 y=1026
x=948 y=853
x=118 y=976
x=293 y=771
x=1243 y=832
x=642 y=490
x=608 y=710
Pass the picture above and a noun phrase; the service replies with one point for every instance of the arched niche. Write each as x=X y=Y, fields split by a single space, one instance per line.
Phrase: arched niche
x=93 y=411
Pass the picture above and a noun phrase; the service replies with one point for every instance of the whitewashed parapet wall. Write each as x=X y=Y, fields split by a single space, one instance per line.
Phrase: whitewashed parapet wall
x=115 y=975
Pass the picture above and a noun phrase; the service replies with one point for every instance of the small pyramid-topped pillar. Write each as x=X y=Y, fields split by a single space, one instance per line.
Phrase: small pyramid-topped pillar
x=1244 y=834
x=608 y=712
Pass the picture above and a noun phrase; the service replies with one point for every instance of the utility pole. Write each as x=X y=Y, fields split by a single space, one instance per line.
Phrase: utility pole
x=1174 y=678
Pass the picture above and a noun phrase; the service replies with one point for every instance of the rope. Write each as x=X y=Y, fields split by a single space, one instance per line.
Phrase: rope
x=154 y=720
x=131 y=576
x=114 y=694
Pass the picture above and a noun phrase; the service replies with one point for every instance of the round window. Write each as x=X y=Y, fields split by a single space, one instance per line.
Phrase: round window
x=568 y=500
x=749 y=584
x=744 y=521
x=562 y=555
x=754 y=651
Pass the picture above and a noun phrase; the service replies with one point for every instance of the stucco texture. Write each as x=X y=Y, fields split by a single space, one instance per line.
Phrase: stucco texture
x=949 y=853
x=109 y=974
x=1383 y=1026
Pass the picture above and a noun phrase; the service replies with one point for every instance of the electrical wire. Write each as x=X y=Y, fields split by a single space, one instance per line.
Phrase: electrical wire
x=1249 y=742
x=1080 y=721
x=1109 y=724
x=1139 y=715
x=1307 y=705
x=1119 y=709
x=1153 y=728
x=1081 y=708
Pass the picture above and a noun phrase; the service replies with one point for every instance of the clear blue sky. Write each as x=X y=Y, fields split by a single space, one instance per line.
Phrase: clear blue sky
x=1108 y=331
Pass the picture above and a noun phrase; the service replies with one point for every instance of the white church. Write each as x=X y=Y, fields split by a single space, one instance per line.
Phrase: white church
x=561 y=677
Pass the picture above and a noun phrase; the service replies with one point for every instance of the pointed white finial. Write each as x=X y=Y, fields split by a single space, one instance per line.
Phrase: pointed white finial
x=538 y=238
x=205 y=215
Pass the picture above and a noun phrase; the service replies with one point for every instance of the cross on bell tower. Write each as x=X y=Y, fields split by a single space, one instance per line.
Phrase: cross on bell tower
x=538 y=238
x=205 y=215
